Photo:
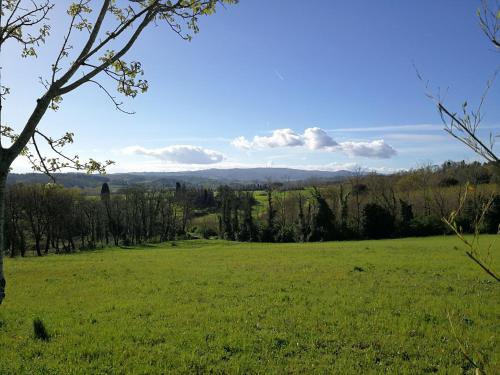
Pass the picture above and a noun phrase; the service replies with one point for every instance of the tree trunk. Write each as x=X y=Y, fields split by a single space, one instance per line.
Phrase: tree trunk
x=37 y=246
x=3 y=179
x=47 y=244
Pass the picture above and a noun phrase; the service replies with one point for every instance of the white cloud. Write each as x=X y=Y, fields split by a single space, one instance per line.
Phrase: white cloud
x=374 y=149
x=241 y=143
x=313 y=138
x=279 y=138
x=316 y=139
x=179 y=154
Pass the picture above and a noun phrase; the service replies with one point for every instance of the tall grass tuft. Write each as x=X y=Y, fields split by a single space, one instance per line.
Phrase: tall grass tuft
x=39 y=330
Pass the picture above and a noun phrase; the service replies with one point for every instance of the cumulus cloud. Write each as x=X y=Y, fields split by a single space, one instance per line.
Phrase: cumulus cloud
x=316 y=139
x=279 y=138
x=179 y=154
x=374 y=149
x=313 y=138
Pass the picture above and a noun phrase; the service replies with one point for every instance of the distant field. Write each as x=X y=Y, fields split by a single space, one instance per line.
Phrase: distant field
x=221 y=307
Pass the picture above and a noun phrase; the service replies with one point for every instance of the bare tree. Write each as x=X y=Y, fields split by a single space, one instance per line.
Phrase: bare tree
x=464 y=124
x=110 y=35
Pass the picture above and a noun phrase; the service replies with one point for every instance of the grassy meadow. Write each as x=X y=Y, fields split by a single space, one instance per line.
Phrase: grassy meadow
x=227 y=307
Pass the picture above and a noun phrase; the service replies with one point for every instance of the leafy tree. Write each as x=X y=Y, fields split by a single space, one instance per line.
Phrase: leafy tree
x=303 y=220
x=105 y=192
x=248 y=230
x=109 y=36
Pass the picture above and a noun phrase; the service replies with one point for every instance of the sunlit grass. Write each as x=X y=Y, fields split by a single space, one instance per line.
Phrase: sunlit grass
x=201 y=306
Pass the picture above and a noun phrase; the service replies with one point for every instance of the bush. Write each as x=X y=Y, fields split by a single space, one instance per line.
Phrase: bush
x=427 y=226
x=286 y=234
x=207 y=232
x=378 y=222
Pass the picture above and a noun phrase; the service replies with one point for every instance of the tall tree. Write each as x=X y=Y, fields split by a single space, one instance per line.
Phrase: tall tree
x=323 y=222
x=109 y=36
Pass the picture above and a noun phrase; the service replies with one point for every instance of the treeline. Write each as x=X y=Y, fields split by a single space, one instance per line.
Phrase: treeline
x=49 y=218
x=365 y=206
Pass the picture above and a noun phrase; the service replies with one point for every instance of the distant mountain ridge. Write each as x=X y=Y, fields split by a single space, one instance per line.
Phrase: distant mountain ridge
x=207 y=176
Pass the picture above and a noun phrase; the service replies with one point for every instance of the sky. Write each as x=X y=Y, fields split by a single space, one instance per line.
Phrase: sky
x=322 y=84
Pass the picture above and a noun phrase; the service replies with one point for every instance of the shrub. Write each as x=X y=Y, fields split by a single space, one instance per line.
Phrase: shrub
x=286 y=234
x=378 y=222
x=426 y=226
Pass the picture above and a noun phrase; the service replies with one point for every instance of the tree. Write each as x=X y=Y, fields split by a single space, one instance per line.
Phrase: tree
x=323 y=221
x=406 y=217
x=109 y=36
x=464 y=124
x=269 y=231
x=357 y=190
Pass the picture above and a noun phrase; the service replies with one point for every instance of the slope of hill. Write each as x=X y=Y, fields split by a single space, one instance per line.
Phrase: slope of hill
x=201 y=177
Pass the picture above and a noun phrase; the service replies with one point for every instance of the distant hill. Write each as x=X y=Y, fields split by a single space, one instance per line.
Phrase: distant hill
x=263 y=174
x=202 y=177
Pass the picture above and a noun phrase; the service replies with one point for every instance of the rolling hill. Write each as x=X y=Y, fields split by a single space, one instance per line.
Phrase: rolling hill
x=200 y=177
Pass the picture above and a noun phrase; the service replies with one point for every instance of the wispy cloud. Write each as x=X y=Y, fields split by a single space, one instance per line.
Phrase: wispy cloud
x=411 y=137
x=279 y=75
x=410 y=127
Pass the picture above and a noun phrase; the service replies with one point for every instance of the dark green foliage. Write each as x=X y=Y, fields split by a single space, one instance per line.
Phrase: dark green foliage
x=492 y=217
x=105 y=192
x=378 y=222
x=323 y=221
x=286 y=234
x=359 y=189
x=427 y=226
x=39 y=330
x=406 y=218
x=303 y=225
x=207 y=233
x=226 y=204
x=248 y=231
x=269 y=232
x=448 y=181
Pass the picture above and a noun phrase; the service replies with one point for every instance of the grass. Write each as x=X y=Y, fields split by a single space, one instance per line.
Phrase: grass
x=215 y=306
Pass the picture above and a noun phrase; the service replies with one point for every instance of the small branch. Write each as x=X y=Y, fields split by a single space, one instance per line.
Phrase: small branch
x=42 y=161
x=112 y=98
x=460 y=345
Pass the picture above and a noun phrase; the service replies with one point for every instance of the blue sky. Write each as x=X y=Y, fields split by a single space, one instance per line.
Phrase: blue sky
x=317 y=85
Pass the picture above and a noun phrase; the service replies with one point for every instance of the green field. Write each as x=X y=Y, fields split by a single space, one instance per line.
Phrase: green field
x=221 y=307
